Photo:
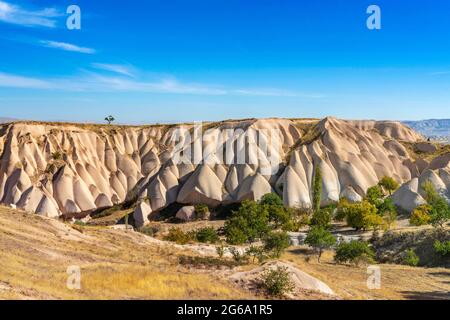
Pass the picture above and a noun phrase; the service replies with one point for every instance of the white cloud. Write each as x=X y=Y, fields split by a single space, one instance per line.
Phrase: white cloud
x=116 y=68
x=14 y=81
x=94 y=82
x=66 y=46
x=439 y=73
x=14 y=14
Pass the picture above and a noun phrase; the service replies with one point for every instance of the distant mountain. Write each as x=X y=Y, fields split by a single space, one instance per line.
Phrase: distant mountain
x=5 y=120
x=433 y=128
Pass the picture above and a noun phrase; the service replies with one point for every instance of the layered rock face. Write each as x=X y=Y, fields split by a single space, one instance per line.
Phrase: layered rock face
x=62 y=169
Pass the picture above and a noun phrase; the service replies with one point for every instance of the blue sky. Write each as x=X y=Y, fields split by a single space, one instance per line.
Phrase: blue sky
x=166 y=61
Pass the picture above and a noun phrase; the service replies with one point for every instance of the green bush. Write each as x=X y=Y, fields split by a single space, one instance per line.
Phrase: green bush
x=420 y=215
x=238 y=256
x=317 y=189
x=322 y=217
x=278 y=214
x=201 y=211
x=178 y=236
x=79 y=223
x=354 y=251
x=278 y=282
x=375 y=195
x=220 y=250
x=362 y=216
x=257 y=253
x=276 y=243
x=411 y=258
x=249 y=223
x=320 y=239
x=389 y=184
x=442 y=248
x=207 y=234
x=439 y=210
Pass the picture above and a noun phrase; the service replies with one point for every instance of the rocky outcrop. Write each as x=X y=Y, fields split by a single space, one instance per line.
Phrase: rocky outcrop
x=54 y=169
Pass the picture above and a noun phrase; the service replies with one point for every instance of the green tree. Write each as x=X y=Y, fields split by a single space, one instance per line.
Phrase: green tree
x=278 y=282
x=439 y=209
x=207 y=234
x=271 y=199
x=320 y=239
x=322 y=218
x=278 y=214
x=420 y=215
x=411 y=258
x=389 y=184
x=317 y=189
x=276 y=243
x=375 y=195
x=363 y=216
x=440 y=212
x=442 y=248
x=431 y=195
x=354 y=251
x=249 y=223
x=110 y=119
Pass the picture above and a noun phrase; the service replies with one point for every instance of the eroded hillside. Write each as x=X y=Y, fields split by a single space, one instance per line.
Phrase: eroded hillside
x=54 y=169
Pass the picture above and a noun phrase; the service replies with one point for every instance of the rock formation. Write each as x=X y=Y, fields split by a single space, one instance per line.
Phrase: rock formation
x=68 y=169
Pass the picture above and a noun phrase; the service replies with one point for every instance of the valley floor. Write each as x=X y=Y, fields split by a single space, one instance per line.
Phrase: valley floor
x=35 y=253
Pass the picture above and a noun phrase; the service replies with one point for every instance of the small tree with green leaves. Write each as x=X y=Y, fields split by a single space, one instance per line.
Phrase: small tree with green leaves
x=363 y=216
x=420 y=215
x=110 y=119
x=411 y=258
x=320 y=239
x=389 y=184
x=439 y=209
x=276 y=243
x=442 y=248
x=278 y=282
x=375 y=195
x=207 y=235
x=249 y=223
x=317 y=189
x=278 y=214
x=322 y=218
x=355 y=251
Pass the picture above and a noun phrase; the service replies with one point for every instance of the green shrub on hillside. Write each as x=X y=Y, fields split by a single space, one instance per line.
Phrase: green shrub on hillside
x=276 y=243
x=249 y=223
x=201 y=211
x=322 y=217
x=420 y=215
x=411 y=258
x=442 y=248
x=320 y=239
x=355 y=252
x=207 y=235
x=278 y=214
x=317 y=189
x=278 y=282
x=178 y=236
x=389 y=184
x=362 y=216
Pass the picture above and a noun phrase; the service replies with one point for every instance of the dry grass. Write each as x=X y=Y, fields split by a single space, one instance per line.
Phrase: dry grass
x=397 y=281
x=116 y=264
x=35 y=253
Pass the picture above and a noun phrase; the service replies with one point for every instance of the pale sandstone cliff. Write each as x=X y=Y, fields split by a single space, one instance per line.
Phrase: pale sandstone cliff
x=54 y=169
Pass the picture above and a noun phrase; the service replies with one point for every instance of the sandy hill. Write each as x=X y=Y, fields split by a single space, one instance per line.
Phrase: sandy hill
x=37 y=251
x=54 y=169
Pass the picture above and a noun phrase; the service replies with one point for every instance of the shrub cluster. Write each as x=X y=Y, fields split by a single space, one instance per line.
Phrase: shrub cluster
x=278 y=282
x=354 y=252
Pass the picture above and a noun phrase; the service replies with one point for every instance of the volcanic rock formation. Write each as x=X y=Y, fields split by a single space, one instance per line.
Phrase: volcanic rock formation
x=67 y=169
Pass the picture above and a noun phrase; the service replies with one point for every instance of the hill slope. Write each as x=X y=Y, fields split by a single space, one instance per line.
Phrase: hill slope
x=54 y=169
